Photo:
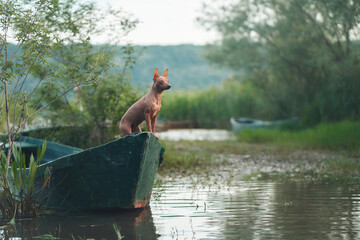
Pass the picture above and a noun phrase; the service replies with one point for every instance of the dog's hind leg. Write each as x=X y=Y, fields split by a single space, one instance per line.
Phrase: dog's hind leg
x=125 y=129
x=136 y=129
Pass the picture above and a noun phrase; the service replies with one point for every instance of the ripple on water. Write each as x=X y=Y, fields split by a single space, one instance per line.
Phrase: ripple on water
x=181 y=209
x=256 y=210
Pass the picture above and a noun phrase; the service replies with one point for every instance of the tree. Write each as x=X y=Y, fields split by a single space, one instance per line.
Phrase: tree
x=302 y=54
x=91 y=117
x=39 y=29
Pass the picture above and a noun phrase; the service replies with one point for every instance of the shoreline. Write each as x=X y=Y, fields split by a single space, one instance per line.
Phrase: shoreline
x=233 y=160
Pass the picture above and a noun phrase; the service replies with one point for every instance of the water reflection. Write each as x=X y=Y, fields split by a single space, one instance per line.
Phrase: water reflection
x=136 y=224
x=181 y=209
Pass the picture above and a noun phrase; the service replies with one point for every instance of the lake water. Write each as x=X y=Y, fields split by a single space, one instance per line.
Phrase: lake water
x=196 y=134
x=181 y=209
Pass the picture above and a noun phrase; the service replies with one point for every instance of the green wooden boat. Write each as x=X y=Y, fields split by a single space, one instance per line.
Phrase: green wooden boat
x=119 y=174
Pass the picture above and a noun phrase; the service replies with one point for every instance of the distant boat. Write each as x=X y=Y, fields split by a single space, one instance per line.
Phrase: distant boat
x=119 y=174
x=239 y=124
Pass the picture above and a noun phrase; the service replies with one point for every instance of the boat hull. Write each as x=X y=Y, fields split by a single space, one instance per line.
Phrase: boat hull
x=119 y=174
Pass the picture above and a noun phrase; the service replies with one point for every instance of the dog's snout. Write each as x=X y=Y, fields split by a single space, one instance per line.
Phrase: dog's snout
x=169 y=86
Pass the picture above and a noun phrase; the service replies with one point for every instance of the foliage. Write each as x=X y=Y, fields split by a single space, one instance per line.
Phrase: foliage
x=303 y=55
x=97 y=108
x=90 y=116
x=343 y=135
x=18 y=196
x=93 y=118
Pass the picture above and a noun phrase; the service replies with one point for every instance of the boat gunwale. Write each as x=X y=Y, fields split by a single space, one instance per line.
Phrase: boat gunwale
x=81 y=151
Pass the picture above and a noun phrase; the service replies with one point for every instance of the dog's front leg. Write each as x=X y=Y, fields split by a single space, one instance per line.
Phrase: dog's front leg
x=148 y=122
x=153 y=122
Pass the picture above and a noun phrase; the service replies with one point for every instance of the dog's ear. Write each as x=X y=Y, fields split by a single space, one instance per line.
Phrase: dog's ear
x=165 y=73
x=156 y=74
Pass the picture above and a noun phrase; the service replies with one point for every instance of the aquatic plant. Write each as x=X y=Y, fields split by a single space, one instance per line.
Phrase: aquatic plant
x=18 y=186
x=191 y=160
x=47 y=236
x=117 y=231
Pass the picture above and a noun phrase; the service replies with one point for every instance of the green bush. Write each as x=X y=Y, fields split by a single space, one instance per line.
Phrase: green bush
x=92 y=119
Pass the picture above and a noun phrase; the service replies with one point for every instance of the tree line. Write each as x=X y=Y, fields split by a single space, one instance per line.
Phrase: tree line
x=302 y=56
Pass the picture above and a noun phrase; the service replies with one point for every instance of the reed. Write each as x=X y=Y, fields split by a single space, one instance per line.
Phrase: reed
x=348 y=167
x=343 y=135
x=18 y=191
x=212 y=108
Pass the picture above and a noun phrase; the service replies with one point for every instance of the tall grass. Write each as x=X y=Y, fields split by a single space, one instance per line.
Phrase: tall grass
x=213 y=108
x=343 y=135
x=18 y=192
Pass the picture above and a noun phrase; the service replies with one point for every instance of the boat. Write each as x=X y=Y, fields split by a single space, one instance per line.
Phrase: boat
x=118 y=174
x=241 y=123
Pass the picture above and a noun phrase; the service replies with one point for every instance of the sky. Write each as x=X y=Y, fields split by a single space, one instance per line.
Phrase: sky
x=164 y=22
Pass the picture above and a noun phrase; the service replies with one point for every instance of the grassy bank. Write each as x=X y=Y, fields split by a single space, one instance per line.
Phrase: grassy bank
x=334 y=136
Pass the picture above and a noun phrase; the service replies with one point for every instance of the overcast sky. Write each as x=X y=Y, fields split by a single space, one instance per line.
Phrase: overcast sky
x=165 y=22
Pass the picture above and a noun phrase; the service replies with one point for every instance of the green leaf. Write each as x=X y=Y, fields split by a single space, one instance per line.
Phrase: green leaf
x=43 y=149
x=15 y=175
x=23 y=161
x=14 y=152
x=32 y=161
x=22 y=172
x=47 y=173
x=38 y=152
x=12 y=221
x=32 y=170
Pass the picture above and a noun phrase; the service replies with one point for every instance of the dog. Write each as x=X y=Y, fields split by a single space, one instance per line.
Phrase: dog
x=146 y=108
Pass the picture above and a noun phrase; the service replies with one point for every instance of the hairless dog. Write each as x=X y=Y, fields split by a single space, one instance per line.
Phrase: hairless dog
x=146 y=108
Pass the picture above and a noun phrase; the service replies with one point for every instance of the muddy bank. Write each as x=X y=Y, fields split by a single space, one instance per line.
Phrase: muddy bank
x=254 y=162
x=230 y=158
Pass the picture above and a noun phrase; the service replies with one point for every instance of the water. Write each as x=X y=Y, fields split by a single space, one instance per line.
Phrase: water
x=196 y=134
x=181 y=209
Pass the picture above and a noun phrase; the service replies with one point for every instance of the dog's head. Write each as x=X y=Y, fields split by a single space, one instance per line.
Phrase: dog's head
x=161 y=82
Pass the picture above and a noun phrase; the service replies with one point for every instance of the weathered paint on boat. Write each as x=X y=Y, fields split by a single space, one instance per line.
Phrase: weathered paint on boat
x=119 y=174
